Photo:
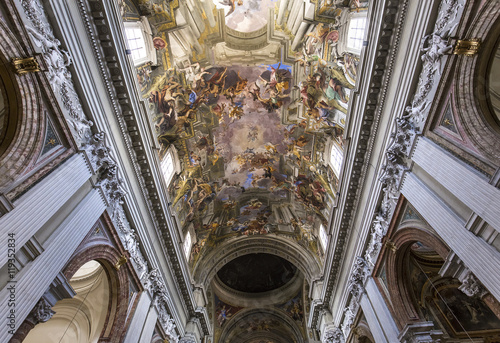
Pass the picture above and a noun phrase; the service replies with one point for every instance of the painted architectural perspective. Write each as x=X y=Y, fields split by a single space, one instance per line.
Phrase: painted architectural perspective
x=250 y=171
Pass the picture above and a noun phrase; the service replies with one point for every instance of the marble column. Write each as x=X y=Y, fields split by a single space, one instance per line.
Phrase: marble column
x=480 y=257
x=39 y=204
x=139 y=318
x=57 y=250
x=382 y=325
x=467 y=184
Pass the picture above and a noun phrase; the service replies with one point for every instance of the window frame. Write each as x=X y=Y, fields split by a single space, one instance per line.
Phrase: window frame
x=361 y=38
x=336 y=168
x=187 y=245
x=171 y=170
x=145 y=29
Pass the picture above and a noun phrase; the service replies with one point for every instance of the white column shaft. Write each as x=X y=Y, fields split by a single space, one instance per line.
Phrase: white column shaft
x=460 y=179
x=377 y=314
x=35 y=278
x=149 y=326
x=41 y=202
x=480 y=257
x=139 y=319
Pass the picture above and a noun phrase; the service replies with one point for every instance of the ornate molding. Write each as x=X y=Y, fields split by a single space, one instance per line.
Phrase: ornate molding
x=57 y=61
x=41 y=312
x=188 y=338
x=389 y=36
x=358 y=277
x=434 y=47
x=349 y=316
x=97 y=19
x=97 y=152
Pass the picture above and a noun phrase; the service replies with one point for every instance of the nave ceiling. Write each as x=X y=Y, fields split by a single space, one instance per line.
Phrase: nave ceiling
x=249 y=101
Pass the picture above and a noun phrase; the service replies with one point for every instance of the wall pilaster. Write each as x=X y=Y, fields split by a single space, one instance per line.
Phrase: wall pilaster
x=480 y=257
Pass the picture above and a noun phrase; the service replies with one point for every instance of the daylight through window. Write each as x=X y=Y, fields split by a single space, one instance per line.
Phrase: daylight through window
x=356 y=33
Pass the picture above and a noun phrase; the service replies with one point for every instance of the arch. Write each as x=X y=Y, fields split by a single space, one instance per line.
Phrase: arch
x=362 y=333
x=107 y=256
x=209 y=265
x=470 y=89
x=79 y=319
x=282 y=323
x=24 y=140
x=405 y=311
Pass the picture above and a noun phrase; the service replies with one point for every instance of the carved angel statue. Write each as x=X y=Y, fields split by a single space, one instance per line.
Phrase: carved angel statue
x=434 y=46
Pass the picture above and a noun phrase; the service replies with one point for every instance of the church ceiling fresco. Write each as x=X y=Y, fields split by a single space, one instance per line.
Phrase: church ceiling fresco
x=252 y=140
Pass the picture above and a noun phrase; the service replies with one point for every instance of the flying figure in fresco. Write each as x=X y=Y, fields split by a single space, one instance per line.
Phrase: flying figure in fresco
x=274 y=102
x=231 y=4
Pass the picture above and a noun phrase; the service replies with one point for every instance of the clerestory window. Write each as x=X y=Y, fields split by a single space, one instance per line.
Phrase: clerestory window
x=356 y=33
x=336 y=156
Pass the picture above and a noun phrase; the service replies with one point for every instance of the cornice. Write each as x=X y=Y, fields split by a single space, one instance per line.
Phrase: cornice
x=399 y=148
x=127 y=110
x=386 y=42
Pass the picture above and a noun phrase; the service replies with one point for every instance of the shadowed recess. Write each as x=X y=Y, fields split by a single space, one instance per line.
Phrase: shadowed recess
x=256 y=273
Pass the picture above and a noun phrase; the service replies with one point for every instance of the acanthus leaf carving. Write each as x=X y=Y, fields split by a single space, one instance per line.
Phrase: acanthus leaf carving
x=333 y=335
x=42 y=312
x=471 y=286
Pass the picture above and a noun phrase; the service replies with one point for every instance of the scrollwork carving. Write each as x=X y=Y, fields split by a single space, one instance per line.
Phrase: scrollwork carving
x=188 y=338
x=358 y=276
x=471 y=286
x=41 y=313
x=333 y=335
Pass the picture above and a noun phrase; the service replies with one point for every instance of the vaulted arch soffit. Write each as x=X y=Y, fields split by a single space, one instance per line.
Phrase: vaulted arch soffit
x=300 y=257
x=471 y=93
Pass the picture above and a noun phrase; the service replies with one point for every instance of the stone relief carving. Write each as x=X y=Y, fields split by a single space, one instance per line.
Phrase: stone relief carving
x=471 y=285
x=349 y=316
x=358 y=276
x=57 y=61
x=188 y=338
x=41 y=312
x=333 y=335
x=434 y=47
x=98 y=154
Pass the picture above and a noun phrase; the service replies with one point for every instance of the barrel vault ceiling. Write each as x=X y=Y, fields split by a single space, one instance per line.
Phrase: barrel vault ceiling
x=249 y=100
